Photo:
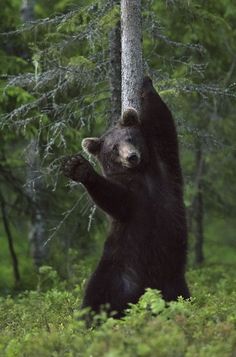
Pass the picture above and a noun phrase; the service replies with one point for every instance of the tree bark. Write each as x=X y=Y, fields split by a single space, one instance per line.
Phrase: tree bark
x=10 y=242
x=115 y=74
x=131 y=54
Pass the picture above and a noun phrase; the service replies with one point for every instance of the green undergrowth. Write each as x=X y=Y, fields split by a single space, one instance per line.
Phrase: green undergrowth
x=48 y=322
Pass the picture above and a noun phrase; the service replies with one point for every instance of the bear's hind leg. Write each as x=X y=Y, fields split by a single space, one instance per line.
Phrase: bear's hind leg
x=174 y=289
x=112 y=291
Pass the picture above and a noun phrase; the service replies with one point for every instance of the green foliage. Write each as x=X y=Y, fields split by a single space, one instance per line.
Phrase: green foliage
x=50 y=323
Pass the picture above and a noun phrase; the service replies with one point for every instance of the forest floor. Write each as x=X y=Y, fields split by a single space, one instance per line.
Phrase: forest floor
x=46 y=321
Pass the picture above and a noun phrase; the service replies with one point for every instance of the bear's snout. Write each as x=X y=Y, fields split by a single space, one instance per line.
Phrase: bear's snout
x=129 y=155
x=133 y=158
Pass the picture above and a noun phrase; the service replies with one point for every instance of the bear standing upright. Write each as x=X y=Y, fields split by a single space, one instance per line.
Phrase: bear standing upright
x=142 y=192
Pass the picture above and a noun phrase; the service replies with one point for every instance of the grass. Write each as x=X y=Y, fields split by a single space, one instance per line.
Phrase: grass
x=47 y=321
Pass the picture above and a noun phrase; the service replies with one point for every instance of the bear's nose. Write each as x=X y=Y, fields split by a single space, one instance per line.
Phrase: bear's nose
x=133 y=158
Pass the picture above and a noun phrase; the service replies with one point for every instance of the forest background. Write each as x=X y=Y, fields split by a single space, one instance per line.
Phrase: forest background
x=60 y=82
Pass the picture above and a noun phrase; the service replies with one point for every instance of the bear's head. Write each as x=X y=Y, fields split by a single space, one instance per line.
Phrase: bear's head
x=121 y=148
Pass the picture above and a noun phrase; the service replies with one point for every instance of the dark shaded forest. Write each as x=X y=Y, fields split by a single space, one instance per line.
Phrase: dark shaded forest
x=60 y=81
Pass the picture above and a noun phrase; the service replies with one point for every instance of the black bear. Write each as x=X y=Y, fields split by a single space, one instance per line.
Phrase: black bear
x=142 y=191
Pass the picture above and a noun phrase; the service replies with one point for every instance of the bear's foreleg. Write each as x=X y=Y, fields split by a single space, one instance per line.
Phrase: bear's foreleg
x=158 y=125
x=110 y=196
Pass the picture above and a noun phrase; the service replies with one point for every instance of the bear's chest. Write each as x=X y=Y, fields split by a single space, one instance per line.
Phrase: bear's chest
x=149 y=189
x=151 y=186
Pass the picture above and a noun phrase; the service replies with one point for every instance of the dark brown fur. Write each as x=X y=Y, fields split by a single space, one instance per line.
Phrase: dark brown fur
x=147 y=243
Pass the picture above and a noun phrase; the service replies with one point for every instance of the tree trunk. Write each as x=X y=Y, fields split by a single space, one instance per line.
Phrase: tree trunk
x=199 y=209
x=27 y=10
x=115 y=74
x=35 y=184
x=10 y=242
x=35 y=191
x=131 y=54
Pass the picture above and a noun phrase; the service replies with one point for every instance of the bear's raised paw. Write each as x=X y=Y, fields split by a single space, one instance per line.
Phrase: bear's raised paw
x=77 y=168
x=147 y=87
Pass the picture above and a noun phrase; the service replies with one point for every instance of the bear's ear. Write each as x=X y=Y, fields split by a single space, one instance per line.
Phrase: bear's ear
x=91 y=145
x=130 y=117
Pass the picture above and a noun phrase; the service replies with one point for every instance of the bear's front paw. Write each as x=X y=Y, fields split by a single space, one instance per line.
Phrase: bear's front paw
x=77 y=168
